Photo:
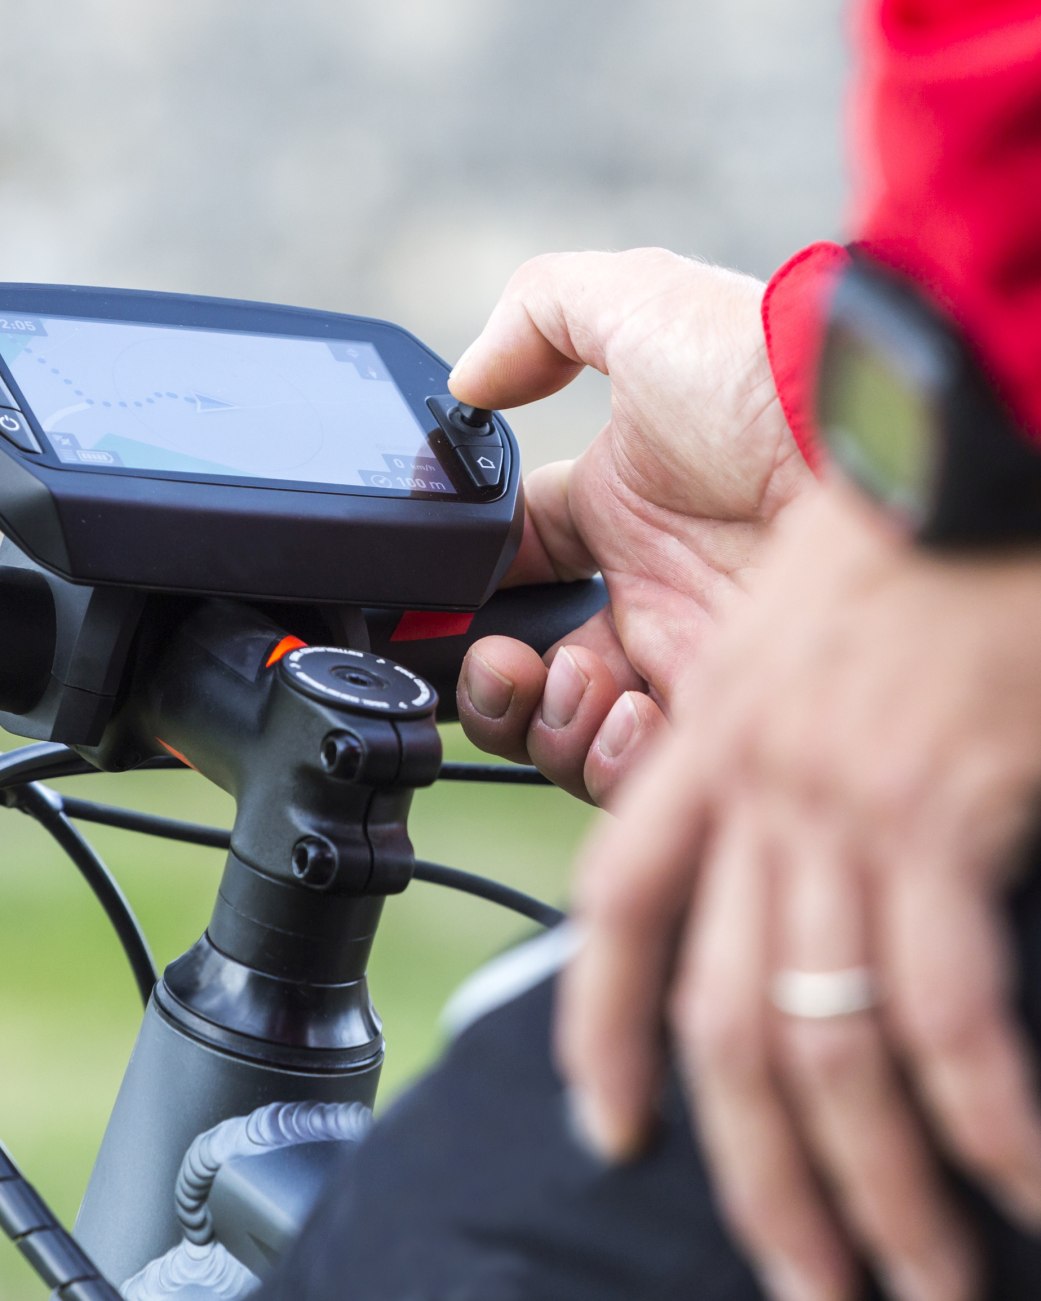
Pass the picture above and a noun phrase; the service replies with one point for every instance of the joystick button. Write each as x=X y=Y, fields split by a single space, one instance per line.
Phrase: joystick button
x=14 y=428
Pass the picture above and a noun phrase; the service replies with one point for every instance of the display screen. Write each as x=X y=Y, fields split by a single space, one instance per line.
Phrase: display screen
x=216 y=403
x=877 y=421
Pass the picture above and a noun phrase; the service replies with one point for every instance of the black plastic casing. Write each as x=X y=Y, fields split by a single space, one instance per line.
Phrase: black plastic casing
x=254 y=538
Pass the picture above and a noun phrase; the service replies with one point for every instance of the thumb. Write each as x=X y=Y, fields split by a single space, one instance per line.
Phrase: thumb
x=552 y=548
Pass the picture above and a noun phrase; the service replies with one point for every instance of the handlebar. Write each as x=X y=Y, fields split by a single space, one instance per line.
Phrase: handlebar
x=70 y=647
x=434 y=644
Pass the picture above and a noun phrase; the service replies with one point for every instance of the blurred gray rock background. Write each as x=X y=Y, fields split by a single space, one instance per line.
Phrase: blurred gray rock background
x=400 y=157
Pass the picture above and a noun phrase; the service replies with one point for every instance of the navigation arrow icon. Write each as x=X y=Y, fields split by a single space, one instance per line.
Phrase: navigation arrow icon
x=204 y=403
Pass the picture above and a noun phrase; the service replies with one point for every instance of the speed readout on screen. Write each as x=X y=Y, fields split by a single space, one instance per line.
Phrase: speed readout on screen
x=217 y=403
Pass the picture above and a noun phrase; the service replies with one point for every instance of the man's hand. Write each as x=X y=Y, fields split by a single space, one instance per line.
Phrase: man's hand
x=670 y=502
x=847 y=786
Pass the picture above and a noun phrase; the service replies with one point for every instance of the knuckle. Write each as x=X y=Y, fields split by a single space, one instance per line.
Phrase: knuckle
x=883 y=793
x=827 y=1055
x=535 y=271
x=652 y=256
x=719 y=1035
x=795 y=762
x=935 y=1024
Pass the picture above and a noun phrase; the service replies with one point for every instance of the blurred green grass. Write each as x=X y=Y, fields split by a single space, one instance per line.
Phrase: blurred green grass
x=68 y=1007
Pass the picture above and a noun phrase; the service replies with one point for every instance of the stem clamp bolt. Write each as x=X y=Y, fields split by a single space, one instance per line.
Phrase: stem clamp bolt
x=314 y=861
x=342 y=755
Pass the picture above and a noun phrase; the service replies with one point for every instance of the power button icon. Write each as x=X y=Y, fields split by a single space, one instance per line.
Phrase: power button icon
x=16 y=431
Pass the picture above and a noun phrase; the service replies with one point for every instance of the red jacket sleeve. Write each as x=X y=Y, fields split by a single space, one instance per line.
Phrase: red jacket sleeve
x=946 y=144
x=793 y=320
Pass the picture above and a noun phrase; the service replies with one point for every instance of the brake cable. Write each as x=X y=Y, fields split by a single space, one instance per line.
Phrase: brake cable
x=21 y=788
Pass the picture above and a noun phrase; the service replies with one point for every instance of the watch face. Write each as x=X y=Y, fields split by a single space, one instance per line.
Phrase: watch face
x=911 y=416
x=878 y=421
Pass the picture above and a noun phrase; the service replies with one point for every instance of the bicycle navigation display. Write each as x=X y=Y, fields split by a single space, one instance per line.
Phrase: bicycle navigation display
x=218 y=403
x=213 y=446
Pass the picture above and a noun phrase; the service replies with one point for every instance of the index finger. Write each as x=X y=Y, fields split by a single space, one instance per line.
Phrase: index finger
x=558 y=314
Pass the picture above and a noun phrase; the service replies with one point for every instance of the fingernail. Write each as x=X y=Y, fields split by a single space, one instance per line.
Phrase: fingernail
x=490 y=693
x=565 y=687
x=596 y=1130
x=785 y=1282
x=618 y=727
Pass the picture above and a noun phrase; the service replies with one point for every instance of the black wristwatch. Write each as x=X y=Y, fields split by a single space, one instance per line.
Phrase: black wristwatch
x=908 y=415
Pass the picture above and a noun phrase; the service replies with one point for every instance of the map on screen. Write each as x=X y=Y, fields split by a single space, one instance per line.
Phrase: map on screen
x=218 y=403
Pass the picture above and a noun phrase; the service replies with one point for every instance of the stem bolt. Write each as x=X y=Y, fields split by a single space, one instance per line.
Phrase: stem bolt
x=314 y=861
x=342 y=755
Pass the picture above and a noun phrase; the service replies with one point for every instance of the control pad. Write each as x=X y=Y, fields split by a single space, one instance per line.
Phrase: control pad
x=478 y=452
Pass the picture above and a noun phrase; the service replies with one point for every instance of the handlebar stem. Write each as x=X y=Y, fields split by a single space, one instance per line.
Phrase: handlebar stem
x=321 y=750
